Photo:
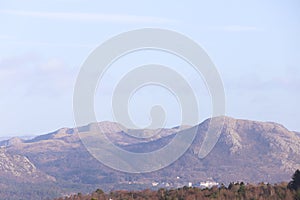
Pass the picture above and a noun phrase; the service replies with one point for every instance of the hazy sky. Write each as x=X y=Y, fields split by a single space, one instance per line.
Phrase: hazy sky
x=254 y=44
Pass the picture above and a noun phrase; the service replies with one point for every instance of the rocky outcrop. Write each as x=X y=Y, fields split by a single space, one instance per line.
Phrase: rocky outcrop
x=20 y=167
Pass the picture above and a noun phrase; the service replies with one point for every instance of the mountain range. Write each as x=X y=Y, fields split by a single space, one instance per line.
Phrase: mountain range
x=58 y=163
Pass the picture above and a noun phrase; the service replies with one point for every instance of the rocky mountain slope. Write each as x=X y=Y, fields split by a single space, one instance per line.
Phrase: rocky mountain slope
x=248 y=151
x=20 y=167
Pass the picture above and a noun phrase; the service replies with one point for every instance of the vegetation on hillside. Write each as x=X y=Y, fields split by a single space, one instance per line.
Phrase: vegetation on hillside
x=238 y=191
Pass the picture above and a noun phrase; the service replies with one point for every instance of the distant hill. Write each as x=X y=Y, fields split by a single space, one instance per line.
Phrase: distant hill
x=248 y=151
x=6 y=138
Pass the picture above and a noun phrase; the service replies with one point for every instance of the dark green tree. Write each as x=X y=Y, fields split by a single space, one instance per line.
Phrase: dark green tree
x=295 y=182
x=242 y=189
x=99 y=191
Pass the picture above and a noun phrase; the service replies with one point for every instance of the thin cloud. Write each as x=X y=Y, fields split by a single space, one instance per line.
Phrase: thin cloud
x=36 y=76
x=237 y=28
x=240 y=28
x=89 y=17
x=51 y=44
x=5 y=37
x=288 y=80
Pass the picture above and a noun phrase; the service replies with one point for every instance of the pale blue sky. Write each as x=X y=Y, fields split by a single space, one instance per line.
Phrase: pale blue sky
x=254 y=44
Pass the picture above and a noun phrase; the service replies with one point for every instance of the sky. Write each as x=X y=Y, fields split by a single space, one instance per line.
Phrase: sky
x=254 y=45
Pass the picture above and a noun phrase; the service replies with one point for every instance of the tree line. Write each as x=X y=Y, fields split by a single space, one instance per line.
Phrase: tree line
x=234 y=191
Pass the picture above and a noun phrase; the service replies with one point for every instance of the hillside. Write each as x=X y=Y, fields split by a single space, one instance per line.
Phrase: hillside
x=248 y=151
x=233 y=191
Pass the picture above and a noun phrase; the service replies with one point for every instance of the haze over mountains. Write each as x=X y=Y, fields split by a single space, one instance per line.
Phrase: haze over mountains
x=58 y=163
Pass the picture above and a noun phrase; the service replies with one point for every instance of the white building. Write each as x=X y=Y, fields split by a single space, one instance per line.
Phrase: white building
x=208 y=184
x=155 y=184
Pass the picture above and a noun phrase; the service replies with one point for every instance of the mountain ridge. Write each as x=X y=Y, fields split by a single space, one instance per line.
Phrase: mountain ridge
x=249 y=151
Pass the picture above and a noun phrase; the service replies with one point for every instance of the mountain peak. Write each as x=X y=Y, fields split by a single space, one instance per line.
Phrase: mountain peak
x=246 y=150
